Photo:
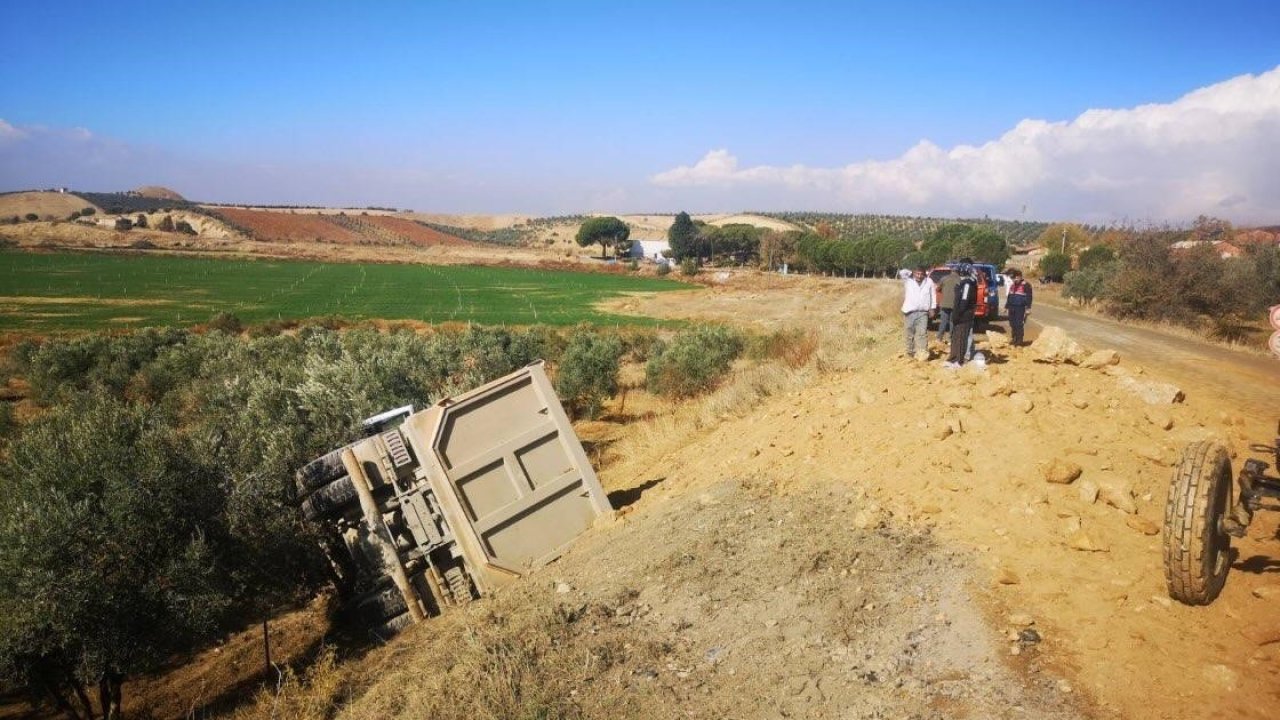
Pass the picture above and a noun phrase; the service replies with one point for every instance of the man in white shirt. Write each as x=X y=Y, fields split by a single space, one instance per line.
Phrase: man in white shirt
x=919 y=301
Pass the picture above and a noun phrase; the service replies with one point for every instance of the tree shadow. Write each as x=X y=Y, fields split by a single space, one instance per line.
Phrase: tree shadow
x=622 y=498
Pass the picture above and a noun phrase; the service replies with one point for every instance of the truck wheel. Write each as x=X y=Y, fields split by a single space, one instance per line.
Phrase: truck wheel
x=1197 y=553
x=320 y=472
x=381 y=606
x=388 y=629
x=330 y=499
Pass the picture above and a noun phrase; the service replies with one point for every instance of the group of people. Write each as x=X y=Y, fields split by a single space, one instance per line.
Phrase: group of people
x=954 y=301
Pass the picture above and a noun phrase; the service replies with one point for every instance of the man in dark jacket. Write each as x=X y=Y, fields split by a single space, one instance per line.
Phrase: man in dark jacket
x=947 y=301
x=1018 y=303
x=966 y=301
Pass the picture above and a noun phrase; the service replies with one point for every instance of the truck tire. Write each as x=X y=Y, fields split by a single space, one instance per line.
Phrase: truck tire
x=330 y=500
x=320 y=472
x=1197 y=553
x=390 y=628
x=381 y=606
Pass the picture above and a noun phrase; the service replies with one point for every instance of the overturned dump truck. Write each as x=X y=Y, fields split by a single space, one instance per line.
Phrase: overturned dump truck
x=434 y=508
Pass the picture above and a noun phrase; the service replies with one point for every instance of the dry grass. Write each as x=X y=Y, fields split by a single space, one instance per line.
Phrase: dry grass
x=836 y=347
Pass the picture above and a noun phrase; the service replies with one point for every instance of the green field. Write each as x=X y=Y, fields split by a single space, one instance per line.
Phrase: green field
x=81 y=291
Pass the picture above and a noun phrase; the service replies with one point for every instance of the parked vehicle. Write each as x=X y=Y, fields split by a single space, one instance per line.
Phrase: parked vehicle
x=990 y=280
x=437 y=507
x=1200 y=519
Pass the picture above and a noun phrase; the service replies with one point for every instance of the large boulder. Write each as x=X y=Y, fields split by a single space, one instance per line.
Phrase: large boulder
x=1054 y=345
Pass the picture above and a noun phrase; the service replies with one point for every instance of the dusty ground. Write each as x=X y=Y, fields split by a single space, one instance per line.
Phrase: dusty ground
x=1108 y=625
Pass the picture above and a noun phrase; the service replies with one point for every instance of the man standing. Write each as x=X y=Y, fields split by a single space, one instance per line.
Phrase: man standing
x=918 y=302
x=1018 y=303
x=947 y=288
x=966 y=300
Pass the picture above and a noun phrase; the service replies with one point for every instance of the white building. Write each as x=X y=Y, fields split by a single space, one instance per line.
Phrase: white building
x=649 y=249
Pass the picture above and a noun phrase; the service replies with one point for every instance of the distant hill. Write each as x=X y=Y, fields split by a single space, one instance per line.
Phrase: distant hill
x=44 y=205
x=158 y=193
x=123 y=203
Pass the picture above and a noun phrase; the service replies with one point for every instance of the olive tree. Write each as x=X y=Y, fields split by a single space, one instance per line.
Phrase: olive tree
x=109 y=539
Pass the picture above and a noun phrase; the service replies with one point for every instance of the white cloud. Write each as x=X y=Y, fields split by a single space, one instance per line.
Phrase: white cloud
x=1215 y=150
x=9 y=133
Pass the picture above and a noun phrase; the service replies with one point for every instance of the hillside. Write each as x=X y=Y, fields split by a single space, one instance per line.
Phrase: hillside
x=305 y=227
x=46 y=205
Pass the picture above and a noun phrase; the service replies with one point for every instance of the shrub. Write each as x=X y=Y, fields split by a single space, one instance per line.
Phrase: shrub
x=124 y=224
x=140 y=221
x=227 y=323
x=588 y=371
x=185 y=228
x=1090 y=283
x=31 y=217
x=688 y=266
x=1054 y=266
x=1096 y=255
x=693 y=362
x=166 y=223
x=86 y=212
x=633 y=265
x=664 y=269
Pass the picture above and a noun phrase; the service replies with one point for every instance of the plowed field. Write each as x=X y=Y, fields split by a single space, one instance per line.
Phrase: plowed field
x=278 y=226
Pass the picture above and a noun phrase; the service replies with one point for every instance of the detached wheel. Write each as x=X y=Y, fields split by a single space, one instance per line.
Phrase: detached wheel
x=1197 y=553
x=330 y=500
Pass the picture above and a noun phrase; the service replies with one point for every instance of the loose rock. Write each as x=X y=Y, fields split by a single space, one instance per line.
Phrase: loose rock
x=1159 y=418
x=1082 y=542
x=1100 y=359
x=1142 y=525
x=1088 y=491
x=1021 y=402
x=1055 y=346
x=1151 y=392
x=1118 y=495
x=1062 y=472
x=1155 y=455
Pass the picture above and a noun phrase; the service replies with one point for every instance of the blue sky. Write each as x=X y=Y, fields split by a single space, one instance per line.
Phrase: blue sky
x=549 y=107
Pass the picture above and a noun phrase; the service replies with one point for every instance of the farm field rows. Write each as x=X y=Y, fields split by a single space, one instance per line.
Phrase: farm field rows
x=70 y=291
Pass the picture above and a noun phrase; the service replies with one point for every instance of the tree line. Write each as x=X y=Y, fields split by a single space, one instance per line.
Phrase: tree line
x=1152 y=276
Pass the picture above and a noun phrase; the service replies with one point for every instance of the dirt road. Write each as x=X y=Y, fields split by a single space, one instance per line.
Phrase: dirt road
x=1246 y=381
